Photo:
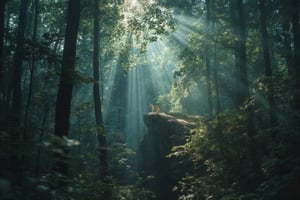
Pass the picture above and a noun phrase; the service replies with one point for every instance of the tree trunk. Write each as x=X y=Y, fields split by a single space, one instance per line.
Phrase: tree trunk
x=63 y=102
x=209 y=87
x=242 y=93
x=267 y=62
x=287 y=41
x=15 y=111
x=2 y=18
x=2 y=87
x=79 y=146
x=216 y=78
x=208 y=63
x=296 y=36
x=103 y=168
x=31 y=75
x=38 y=156
x=97 y=99
x=239 y=30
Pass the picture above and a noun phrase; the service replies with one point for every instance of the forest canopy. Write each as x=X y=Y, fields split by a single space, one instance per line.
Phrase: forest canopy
x=91 y=90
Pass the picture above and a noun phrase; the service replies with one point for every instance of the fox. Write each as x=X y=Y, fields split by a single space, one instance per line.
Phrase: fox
x=154 y=108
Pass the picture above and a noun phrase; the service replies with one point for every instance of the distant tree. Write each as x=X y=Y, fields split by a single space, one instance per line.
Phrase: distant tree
x=208 y=60
x=285 y=20
x=267 y=61
x=239 y=31
x=242 y=92
x=103 y=168
x=63 y=102
x=97 y=99
x=212 y=21
x=216 y=79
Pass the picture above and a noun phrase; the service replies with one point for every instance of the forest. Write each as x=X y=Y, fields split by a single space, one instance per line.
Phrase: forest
x=149 y=100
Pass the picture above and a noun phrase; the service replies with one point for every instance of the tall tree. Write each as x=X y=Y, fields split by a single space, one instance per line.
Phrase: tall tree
x=2 y=23
x=97 y=99
x=239 y=30
x=103 y=171
x=63 y=102
x=242 y=89
x=15 y=111
x=287 y=39
x=296 y=35
x=32 y=67
x=288 y=52
x=208 y=61
x=267 y=61
x=2 y=18
x=212 y=17
x=216 y=78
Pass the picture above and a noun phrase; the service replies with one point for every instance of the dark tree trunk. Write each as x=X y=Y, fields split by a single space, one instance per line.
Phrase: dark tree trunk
x=296 y=35
x=103 y=168
x=18 y=62
x=63 y=102
x=209 y=87
x=216 y=78
x=2 y=87
x=242 y=93
x=39 y=150
x=267 y=62
x=239 y=30
x=210 y=4
x=2 y=19
x=208 y=62
x=287 y=41
x=15 y=111
x=33 y=58
x=79 y=146
x=96 y=93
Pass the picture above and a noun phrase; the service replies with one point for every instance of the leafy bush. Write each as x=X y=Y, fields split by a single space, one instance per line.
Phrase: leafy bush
x=230 y=163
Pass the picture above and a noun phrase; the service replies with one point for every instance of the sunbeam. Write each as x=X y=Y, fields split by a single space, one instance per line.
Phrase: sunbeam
x=145 y=83
x=136 y=106
x=149 y=78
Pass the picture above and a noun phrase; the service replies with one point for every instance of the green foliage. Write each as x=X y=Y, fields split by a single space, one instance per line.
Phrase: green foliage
x=192 y=67
x=136 y=191
x=149 y=21
x=217 y=150
x=171 y=102
x=222 y=152
x=84 y=183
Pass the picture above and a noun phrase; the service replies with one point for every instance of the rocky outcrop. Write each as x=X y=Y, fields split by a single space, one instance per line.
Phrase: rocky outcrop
x=165 y=130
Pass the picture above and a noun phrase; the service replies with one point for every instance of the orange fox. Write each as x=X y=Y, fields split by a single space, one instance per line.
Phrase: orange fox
x=154 y=108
